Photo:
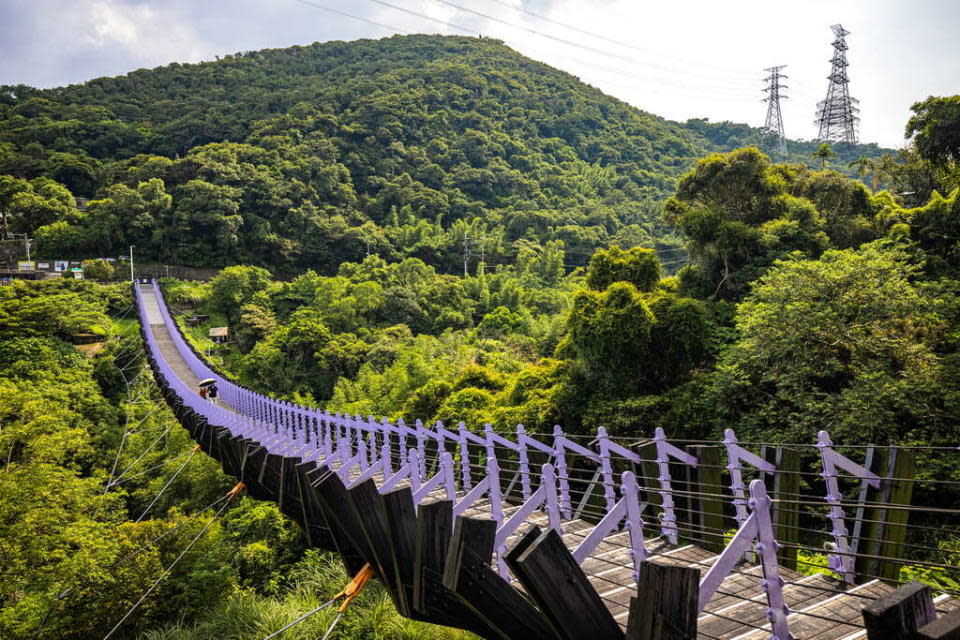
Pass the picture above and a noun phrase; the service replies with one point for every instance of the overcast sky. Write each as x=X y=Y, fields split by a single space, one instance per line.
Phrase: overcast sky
x=679 y=59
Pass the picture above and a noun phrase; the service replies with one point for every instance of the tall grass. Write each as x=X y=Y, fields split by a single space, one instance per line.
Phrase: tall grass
x=246 y=616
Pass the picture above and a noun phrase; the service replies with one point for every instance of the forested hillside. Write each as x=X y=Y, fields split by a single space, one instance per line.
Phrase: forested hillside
x=448 y=149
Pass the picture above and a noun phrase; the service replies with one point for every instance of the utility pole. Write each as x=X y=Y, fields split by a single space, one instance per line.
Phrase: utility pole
x=837 y=115
x=131 y=264
x=774 y=121
x=467 y=252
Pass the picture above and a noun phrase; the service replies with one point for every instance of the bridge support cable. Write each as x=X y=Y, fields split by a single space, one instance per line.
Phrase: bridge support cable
x=230 y=495
x=168 y=483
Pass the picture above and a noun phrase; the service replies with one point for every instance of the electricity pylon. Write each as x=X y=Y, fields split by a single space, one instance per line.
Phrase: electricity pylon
x=774 y=122
x=837 y=115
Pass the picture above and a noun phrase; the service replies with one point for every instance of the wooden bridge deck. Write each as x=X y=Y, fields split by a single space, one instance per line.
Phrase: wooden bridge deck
x=413 y=549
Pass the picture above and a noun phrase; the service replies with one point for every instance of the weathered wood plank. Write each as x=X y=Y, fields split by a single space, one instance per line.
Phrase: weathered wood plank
x=707 y=509
x=898 y=615
x=473 y=534
x=946 y=627
x=665 y=607
x=401 y=522
x=784 y=485
x=551 y=576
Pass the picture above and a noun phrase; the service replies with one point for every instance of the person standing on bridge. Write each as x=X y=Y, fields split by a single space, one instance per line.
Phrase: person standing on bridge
x=212 y=394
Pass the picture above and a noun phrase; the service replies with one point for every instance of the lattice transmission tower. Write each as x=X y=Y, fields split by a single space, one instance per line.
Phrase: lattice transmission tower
x=837 y=115
x=774 y=122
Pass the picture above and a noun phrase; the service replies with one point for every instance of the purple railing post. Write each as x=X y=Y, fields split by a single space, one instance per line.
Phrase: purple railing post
x=606 y=468
x=841 y=562
x=758 y=528
x=736 y=453
x=524 y=462
x=664 y=451
x=449 y=475
x=638 y=547
x=560 y=458
x=414 y=470
x=493 y=475
x=550 y=498
x=402 y=440
x=421 y=449
x=767 y=548
x=466 y=482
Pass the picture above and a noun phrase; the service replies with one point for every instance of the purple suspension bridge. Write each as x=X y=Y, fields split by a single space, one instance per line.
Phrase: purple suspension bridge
x=524 y=535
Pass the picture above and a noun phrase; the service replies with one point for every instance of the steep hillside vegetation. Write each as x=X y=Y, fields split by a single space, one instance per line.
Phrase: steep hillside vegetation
x=417 y=146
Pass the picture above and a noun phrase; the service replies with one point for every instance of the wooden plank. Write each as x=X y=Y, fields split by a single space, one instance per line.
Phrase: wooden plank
x=365 y=501
x=430 y=599
x=902 y=471
x=784 y=485
x=502 y=609
x=551 y=576
x=884 y=530
x=474 y=534
x=706 y=479
x=434 y=528
x=946 y=627
x=899 y=614
x=401 y=522
x=344 y=525
x=665 y=607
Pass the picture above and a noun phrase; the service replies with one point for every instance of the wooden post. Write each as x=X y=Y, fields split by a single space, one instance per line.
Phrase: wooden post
x=884 y=531
x=402 y=525
x=552 y=577
x=430 y=599
x=707 y=508
x=944 y=628
x=898 y=615
x=481 y=589
x=665 y=607
x=785 y=487
x=649 y=476
x=474 y=534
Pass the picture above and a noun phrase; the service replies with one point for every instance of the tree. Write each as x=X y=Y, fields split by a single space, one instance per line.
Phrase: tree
x=935 y=129
x=824 y=153
x=864 y=165
x=98 y=270
x=638 y=266
x=846 y=342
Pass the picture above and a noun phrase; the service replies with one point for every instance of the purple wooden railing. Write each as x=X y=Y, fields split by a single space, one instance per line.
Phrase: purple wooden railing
x=395 y=452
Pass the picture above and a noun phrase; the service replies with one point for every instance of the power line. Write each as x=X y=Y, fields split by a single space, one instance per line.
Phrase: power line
x=350 y=15
x=622 y=43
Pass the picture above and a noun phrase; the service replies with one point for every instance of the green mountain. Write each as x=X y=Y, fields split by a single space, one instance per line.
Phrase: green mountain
x=450 y=149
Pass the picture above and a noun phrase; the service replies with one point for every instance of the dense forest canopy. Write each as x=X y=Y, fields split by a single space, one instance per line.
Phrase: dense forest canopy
x=411 y=146
x=621 y=270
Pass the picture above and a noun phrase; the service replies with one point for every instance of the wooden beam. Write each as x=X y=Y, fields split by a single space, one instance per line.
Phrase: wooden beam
x=430 y=599
x=884 y=530
x=475 y=534
x=467 y=574
x=364 y=500
x=707 y=510
x=783 y=487
x=401 y=519
x=665 y=607
x=555 y=581
x=946 y=627
x=899 y=614
x=434 y=528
